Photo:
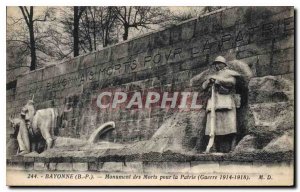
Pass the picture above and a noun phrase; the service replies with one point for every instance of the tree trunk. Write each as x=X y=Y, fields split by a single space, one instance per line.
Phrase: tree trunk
x=76 y=32
x=94 y=34
x=105 y=42
x=126 y=30
x=28 y=17
x=32 y=48
x=94 y=29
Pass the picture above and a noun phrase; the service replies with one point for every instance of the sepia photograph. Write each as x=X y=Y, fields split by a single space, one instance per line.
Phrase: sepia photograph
x=150 y=96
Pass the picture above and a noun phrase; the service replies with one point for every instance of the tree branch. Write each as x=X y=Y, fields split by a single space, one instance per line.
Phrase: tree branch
x=81 y=10
x=21 y=41
x=24 y=14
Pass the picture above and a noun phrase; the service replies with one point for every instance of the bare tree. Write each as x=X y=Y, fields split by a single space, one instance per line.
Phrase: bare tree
x=28 y=16
x=40 y=38
x=26 y=33
x=108 y=22
x=98 y=26
x=88 y=28
x=208 y=9
x=71 y=20
x=191 y=12
x=16 y=55
x=182 y=15
x=78 y=11
x=135 y=17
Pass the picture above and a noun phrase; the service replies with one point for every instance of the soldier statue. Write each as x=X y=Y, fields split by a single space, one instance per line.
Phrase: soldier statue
x=221 y=124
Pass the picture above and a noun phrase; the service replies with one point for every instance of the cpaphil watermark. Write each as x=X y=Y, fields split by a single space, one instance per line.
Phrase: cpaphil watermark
x=116 y=99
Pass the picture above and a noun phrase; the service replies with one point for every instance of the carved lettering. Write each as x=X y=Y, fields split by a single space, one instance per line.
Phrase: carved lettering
x=157 y=58
x=177 y=51
x=147 y=59
x=168 y=54
x=206 y=46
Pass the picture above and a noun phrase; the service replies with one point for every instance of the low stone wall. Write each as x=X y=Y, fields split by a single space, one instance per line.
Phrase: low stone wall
x=153 y=162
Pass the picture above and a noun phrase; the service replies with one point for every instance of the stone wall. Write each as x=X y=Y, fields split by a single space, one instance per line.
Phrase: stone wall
x=167 y=162
x=263 y=37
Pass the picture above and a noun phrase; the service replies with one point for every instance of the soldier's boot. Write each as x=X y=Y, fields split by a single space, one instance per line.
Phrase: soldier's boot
x=49 y=142
x=23 y=152
x=233 y=143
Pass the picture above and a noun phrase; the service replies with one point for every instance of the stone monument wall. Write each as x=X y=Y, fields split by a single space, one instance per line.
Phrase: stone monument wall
x=263 y=37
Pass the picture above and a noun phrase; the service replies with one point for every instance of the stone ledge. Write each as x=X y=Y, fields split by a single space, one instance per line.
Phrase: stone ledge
x=167 y=162
x=167 y=156
x=152 y=166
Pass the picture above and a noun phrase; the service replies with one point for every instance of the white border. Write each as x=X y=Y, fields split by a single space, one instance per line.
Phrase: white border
x=5 y=3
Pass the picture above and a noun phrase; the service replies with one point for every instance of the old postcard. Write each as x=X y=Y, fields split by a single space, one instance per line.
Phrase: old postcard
x=150 y=96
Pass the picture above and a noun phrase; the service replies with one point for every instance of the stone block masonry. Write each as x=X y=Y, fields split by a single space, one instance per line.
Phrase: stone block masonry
x=166 y=60
x=164 y=163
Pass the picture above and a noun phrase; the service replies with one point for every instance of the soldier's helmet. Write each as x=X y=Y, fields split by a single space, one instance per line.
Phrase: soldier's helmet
x=220 y=59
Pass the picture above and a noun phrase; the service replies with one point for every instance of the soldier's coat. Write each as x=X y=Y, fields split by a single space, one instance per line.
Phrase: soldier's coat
x=225 y=105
